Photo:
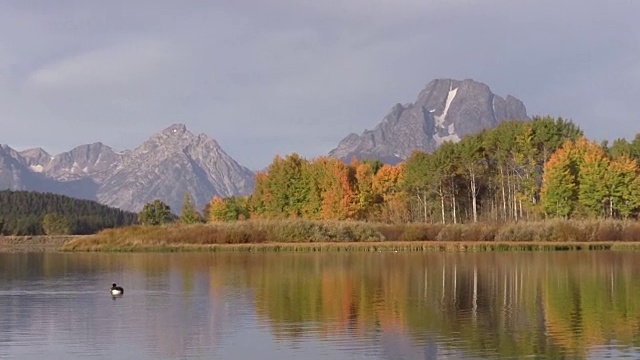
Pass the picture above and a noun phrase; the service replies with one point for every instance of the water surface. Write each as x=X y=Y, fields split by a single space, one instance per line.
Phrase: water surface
x=365 y=305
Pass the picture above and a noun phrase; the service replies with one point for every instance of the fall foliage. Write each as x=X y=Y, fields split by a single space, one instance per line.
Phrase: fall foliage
x=533 y=170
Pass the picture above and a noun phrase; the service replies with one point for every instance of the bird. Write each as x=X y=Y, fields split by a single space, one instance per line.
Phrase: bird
x=116 y=290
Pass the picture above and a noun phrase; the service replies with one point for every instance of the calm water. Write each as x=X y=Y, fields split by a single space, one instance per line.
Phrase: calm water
x=319 y=306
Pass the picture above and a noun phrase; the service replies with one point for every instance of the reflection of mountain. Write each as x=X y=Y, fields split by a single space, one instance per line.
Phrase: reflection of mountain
x=391 y=305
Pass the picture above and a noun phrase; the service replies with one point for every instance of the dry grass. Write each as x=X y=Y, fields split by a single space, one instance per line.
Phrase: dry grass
x=303 y=235
x=34 y=243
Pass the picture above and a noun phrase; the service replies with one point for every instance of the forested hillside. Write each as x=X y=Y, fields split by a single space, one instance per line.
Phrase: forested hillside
x=521 y=170
x=33 y=213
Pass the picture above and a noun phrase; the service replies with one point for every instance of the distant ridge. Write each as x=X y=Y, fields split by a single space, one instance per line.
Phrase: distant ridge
x=166 y=166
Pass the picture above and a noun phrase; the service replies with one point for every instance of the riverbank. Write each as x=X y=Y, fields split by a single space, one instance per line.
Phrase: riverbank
x=392 y=246
x=302 y=235
x=34 y=243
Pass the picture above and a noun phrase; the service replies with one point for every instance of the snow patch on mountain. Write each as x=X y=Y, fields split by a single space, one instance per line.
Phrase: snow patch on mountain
x=440 y=119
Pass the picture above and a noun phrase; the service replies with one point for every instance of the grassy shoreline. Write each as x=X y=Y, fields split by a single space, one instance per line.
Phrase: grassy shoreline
x=391 y=246
x=303 y=235
x=34 y=243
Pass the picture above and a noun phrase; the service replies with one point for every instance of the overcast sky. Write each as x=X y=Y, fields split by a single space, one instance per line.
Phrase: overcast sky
x=267 y=77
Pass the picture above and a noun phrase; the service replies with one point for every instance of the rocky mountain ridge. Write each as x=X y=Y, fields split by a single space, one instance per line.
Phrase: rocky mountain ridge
x=446 y=110
x=166 y=166
x=175 y=161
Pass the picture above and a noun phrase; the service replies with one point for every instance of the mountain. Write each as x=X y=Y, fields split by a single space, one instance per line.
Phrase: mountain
x=15 y=173
x=446 y=110
x=95 y=161
x=165 y=167
x=171 y=163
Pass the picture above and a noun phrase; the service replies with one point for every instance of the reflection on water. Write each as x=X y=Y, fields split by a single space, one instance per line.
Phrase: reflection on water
x=317 y=306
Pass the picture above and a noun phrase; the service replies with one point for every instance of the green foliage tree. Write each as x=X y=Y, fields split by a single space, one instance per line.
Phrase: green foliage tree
x=472 y=162
x=422 y=179
x=56 y=224
x=155 y=213
x=620 y=147
x=635 y=148
x=283 y=190
x=623 y=183
x=189 y=214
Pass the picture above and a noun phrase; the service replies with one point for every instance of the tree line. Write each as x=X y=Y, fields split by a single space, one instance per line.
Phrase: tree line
x=520 y=170
x=34 y=213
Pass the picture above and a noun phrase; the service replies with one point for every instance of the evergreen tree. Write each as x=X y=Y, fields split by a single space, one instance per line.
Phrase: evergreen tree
x=155 y=213
x=189 y=214
x=23 y=213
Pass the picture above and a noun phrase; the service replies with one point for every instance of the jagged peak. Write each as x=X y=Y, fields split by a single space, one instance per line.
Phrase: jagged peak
x=446 y=109
x=177 y=128
x=94 y=146
x=173 y=136
x=37 y=151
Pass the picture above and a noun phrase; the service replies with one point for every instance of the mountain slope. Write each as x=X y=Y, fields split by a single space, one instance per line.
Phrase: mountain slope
x=14 y=171
x=171 y=163
x=166 y=166
x=446 y=110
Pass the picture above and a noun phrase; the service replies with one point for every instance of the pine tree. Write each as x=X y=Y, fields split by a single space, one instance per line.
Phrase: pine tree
x=189 y=214
x=155 y=213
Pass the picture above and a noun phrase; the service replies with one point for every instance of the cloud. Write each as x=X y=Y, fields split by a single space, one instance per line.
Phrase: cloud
x=118 y=65
x=277 y=76
x=382 y=11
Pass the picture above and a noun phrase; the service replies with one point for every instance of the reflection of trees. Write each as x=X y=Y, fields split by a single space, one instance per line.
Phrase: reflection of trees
x=495 y=303
x=506 y=304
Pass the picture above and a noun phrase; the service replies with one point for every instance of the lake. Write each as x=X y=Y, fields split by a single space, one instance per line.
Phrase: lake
x=356 y=305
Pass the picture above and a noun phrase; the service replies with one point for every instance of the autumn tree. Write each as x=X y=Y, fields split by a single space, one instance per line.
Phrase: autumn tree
x=592 y=165
x=56 y=224
x=387 y=189
x=559 y=188
x=365 y=196
x=338 y=189
x=228 y=209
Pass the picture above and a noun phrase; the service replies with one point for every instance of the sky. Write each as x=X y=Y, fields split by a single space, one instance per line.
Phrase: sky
x=267 y=77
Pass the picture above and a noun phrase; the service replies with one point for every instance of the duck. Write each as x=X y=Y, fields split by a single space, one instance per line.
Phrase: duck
x=116 y=290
